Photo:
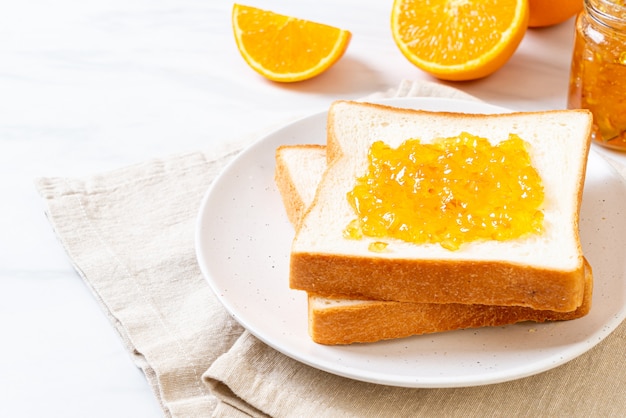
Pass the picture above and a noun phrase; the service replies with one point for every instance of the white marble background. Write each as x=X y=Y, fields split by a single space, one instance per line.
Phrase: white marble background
x=88 y=86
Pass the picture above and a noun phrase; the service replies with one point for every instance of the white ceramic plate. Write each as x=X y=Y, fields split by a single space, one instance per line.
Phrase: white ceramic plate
x=243 y=240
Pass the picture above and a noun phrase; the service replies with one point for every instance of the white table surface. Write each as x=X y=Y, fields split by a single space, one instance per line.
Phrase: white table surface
x=89 y=86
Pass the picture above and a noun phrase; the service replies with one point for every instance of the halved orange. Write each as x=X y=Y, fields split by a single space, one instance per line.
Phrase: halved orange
x=459 y=39
x=284 y=48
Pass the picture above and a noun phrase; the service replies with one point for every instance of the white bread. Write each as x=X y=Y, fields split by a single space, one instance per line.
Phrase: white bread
x=336 y=320
x=543 y=272
x=299 y=169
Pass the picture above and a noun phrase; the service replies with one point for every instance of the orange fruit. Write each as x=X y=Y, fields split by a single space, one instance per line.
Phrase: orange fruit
x=284 y=48
x=459 y=39
x=551 y=12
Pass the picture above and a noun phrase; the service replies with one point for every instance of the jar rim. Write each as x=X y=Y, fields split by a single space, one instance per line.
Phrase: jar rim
x=607 y=12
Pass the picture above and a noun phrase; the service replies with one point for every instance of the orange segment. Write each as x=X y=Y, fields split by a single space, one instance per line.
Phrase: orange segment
x=459 y=39
x=284 y=48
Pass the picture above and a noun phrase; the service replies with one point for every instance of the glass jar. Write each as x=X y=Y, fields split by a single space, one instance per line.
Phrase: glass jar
x=598 y=72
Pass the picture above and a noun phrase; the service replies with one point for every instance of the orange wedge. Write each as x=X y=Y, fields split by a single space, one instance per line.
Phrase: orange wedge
x=284 y=48
x=459 y=39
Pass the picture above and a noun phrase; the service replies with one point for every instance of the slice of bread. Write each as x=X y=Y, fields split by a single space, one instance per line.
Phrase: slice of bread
x=335 y=321
x=298 y=171
x=332 y=321
x=543 y=272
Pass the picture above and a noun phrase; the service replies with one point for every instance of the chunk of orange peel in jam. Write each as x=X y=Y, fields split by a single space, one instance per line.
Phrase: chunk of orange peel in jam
x=451 y=191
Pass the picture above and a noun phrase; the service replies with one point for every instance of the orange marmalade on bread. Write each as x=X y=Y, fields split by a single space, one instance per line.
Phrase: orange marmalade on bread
x=450 y=191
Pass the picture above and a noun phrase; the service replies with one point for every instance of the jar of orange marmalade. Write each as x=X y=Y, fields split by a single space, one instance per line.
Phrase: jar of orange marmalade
x=598 y=72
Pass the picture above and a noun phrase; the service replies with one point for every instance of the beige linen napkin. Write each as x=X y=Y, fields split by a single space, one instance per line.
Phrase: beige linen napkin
x=130 y=235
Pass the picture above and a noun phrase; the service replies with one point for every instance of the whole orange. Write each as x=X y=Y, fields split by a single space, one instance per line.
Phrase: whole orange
x=551 y=12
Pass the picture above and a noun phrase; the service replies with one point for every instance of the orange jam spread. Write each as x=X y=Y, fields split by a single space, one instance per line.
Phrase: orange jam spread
x=451 y=191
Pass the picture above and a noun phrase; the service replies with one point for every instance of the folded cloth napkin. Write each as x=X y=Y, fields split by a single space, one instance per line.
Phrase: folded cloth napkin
x=130 y=235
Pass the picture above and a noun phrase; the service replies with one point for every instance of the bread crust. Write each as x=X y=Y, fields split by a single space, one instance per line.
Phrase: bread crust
x=376 y=320
x=481 y=282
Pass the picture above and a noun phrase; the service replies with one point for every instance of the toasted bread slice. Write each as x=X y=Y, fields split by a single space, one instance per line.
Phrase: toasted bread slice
x=542 y=272
x=345 y=321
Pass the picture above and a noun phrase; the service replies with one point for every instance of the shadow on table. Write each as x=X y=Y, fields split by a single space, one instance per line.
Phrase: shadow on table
x=348 y=77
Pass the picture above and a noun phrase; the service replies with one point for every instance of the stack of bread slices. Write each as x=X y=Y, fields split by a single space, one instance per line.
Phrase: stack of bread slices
x=357 y=295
